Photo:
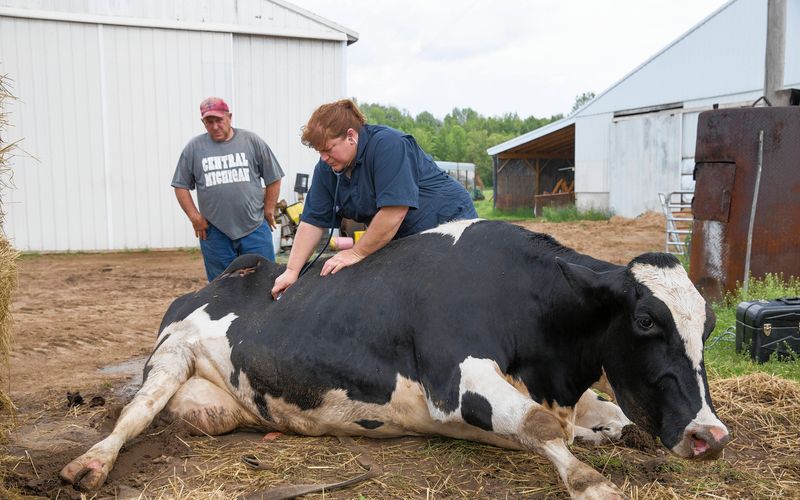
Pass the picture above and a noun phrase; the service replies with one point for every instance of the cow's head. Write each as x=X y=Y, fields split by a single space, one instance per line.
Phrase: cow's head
x=653 y=350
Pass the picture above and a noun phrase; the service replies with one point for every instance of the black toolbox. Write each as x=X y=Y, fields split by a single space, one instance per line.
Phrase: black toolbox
x=769 y=327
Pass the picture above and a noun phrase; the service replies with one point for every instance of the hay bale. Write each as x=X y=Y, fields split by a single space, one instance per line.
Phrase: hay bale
x=8 y=277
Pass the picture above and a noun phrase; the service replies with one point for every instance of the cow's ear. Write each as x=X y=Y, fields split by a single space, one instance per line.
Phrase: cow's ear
x=589 y=284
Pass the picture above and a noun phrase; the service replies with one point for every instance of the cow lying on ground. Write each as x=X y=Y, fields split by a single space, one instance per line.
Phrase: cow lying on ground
x=476 y=330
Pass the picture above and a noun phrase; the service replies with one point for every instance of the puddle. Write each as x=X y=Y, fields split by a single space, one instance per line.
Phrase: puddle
x=132 y=367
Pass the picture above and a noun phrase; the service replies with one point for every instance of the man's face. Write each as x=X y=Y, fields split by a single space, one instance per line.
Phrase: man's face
x=219 y=128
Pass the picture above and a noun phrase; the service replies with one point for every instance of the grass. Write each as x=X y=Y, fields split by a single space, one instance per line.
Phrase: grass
x=571 y=213
x=486 y=210
x=721 y=358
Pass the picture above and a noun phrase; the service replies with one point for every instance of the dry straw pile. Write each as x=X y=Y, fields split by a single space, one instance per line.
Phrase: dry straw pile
x=8 y=267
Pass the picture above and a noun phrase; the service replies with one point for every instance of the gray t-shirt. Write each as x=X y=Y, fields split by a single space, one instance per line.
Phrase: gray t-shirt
x=228 y=176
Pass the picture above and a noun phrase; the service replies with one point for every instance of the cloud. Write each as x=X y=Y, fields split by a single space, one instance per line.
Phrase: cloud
x=531 y=57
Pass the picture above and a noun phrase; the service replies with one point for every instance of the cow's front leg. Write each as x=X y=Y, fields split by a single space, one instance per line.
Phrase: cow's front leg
x=168 y=368
x=490 y=401
x=598 y=420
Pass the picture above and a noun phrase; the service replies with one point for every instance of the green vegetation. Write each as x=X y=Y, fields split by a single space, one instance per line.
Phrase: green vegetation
x=463 y=135
x=721 y=358
x=571 y=213
x=486 y=210
x=565 y=214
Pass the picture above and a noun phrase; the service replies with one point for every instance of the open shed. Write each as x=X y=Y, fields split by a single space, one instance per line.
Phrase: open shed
x=536 y=169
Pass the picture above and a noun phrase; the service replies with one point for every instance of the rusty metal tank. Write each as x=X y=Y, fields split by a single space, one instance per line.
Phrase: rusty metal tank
x=747 y=197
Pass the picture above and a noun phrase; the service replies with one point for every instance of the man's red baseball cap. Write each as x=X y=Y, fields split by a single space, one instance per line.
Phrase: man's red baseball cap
x=213 y=106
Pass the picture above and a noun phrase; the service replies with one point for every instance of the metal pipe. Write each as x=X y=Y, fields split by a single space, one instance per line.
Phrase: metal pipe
x=753 y=211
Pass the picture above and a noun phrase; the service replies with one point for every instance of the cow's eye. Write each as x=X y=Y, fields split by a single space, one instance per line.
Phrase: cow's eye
x=645 y=323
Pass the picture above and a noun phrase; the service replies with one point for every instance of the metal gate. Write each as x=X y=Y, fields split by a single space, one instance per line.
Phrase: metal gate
x=677 y=208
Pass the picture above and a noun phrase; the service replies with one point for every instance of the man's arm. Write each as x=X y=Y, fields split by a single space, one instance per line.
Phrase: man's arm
x=271 y=193
x=199 y=223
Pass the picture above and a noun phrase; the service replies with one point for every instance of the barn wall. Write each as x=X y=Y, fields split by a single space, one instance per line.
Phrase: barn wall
x=106 y=111
x=516 y=183
x=646 y=159
x=591 y=161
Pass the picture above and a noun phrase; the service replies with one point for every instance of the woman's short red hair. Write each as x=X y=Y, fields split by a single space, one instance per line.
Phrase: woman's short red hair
x=330 y=121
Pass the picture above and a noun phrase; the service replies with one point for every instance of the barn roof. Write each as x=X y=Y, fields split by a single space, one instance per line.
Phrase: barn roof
x=255 y=17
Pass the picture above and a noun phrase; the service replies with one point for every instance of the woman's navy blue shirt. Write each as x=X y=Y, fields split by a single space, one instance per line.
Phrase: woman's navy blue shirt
x=389 y=169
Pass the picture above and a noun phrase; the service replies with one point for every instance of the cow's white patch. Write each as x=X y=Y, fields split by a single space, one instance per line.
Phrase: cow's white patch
x=454 y=229
x=672 y=286
x=482 y=376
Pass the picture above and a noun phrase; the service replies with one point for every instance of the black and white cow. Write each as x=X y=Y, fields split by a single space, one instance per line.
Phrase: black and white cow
x=476 y=330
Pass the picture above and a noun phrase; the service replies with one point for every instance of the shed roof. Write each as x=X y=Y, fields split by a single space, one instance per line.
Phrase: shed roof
x=554 y=140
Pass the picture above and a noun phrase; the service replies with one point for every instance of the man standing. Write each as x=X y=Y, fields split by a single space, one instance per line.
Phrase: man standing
x=226 y=165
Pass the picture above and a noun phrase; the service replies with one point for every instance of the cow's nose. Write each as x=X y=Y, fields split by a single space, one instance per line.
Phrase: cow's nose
x=707 y=441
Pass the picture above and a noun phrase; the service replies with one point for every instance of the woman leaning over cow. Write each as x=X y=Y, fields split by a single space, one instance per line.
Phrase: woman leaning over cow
x=375 y=175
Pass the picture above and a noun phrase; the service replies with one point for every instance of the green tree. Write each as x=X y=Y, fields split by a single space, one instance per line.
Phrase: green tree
x=463 y=135
x=581 y=100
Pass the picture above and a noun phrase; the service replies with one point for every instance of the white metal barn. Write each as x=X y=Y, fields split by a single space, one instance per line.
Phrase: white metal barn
x=109 y=94
x=637 y=138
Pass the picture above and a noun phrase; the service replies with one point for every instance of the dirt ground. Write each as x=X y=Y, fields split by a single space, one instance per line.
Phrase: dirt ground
x=85 y=323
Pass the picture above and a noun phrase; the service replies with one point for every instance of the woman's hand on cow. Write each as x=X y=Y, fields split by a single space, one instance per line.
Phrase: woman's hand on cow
x=340 y=261
x=283 y=282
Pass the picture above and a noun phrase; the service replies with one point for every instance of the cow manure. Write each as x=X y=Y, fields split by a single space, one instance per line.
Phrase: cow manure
x=74 y=398
x=634 y=437
x=97 y=401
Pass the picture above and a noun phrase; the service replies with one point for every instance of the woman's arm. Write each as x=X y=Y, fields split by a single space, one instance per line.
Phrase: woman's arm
x=305 y=240
x=380 y=232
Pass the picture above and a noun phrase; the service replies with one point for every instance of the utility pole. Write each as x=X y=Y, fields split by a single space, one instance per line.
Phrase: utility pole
x=775 y=54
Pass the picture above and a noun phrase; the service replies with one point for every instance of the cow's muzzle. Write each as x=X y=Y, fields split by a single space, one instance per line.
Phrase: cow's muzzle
x=702 y=441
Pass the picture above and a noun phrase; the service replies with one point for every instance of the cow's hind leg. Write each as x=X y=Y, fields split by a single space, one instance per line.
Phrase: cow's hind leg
x=488 y=400
x=205 y=408
x=166 y=370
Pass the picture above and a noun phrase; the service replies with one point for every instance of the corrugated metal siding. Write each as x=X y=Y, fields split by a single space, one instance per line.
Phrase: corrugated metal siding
x=108 y=109
x=55 y=68
x=591 y=161
x=646 y=154
x=285 y=79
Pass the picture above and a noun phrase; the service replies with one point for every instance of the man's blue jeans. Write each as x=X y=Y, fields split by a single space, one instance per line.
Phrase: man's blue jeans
x=219 y=250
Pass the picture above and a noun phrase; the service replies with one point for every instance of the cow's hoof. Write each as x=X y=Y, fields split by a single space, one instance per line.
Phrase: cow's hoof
x=88 y=477
x=603 y=491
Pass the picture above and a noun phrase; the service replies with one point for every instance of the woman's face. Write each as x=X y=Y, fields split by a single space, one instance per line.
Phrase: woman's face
x=339 y=152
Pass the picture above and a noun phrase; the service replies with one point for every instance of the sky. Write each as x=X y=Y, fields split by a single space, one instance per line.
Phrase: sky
x=530 y=57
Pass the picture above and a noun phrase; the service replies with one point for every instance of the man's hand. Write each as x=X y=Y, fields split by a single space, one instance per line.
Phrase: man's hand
x=340 y=261
x=283 y=282
x=200 y=224
x=269 y=216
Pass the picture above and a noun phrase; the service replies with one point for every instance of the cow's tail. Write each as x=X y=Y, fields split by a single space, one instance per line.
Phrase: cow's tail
x=169 y=367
